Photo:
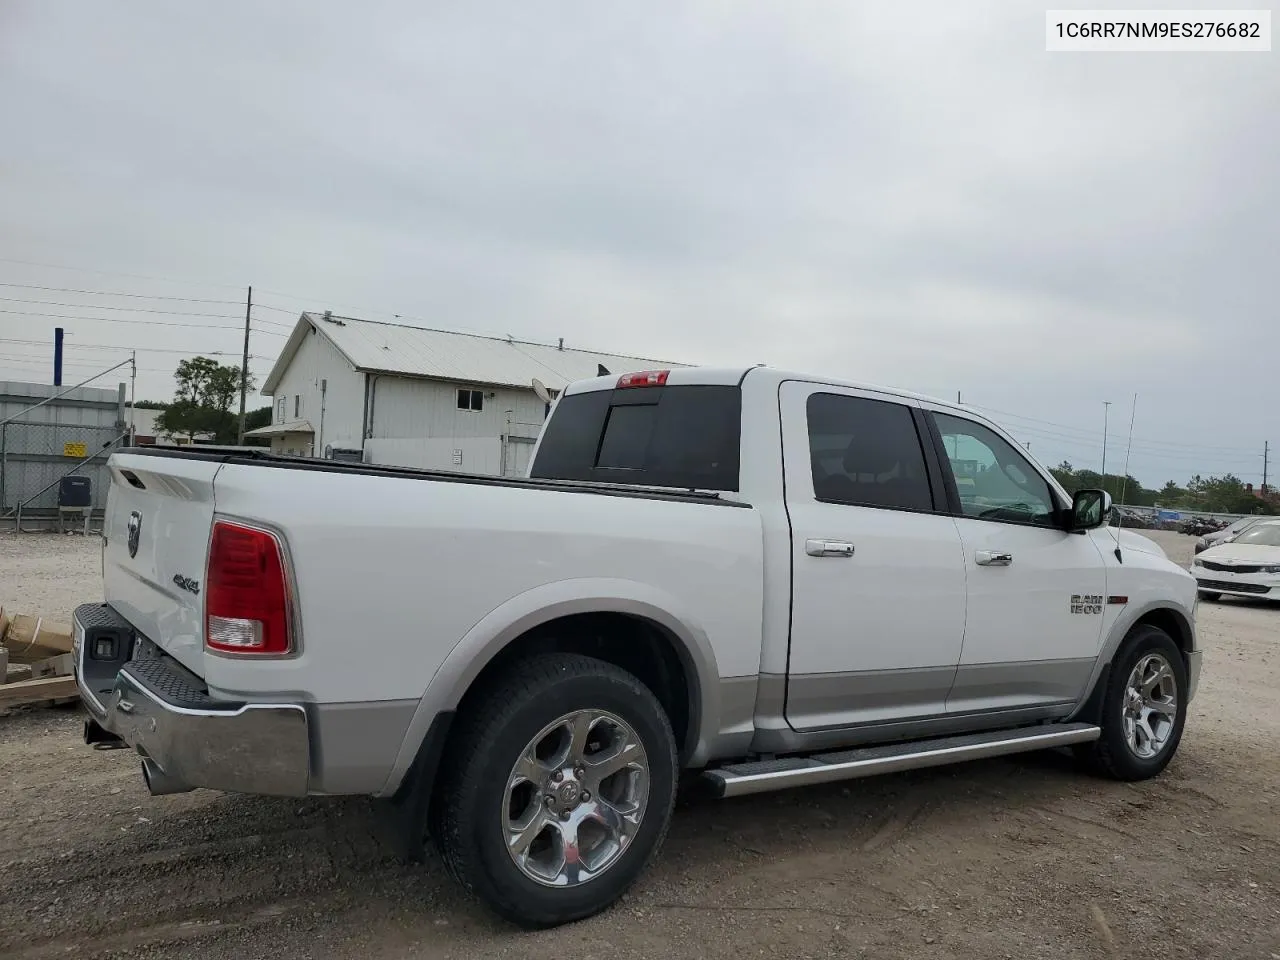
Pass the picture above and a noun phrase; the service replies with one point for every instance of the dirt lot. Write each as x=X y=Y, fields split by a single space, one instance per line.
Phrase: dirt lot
x=1008 y=858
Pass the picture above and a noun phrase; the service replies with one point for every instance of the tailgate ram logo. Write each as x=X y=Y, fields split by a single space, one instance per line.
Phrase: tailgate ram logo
x=135 y=532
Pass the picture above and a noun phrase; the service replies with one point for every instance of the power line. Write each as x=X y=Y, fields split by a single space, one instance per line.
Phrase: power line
x=72 y=363
x=401 y=318
x=116 y=273
x=108 y=306
x=1078 y=433
x=112 y=293
x=1174 y=450
x=153 y=323
x=274 y=323
x=32 y=351
x=1093 y=435
x=1187 y=455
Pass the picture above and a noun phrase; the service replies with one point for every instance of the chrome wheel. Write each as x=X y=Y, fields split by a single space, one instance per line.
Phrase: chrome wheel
x=1150 y=706
x=575 y=798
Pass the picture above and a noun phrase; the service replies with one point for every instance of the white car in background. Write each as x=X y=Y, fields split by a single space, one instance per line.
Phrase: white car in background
x=1247 y=566
x=1226 y=533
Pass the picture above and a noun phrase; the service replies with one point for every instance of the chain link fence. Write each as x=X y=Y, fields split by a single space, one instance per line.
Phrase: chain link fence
x=35 y=456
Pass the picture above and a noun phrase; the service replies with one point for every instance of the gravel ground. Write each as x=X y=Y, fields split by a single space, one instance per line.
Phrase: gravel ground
x=1017 y=857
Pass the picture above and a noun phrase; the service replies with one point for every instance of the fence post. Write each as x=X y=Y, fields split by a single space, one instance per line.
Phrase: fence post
x=4 y=461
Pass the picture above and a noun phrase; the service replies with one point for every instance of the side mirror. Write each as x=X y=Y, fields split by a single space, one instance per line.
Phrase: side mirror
x=1089 y=509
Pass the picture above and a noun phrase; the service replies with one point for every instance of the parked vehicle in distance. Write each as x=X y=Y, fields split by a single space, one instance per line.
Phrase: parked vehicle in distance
x=773 y=580
x=1200 y=526
x=1122 y=516
x=1248 y=565
x=1227 y=533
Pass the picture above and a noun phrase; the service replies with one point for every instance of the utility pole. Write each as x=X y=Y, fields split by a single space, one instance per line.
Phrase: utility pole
x=1266 y=456
x=133 y=391
x=244 y=363
x=1106 y=413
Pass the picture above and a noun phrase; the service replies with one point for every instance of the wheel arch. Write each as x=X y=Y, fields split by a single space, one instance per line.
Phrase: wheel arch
x=566 y=616
x=1172 y=622
x=1172 y=619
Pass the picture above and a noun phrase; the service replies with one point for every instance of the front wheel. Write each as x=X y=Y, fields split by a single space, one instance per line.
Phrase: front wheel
x=557 y=789
x=1209 y=596
x=1143 y=707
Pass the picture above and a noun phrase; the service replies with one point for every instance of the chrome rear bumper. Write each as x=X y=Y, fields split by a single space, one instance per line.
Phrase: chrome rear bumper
x=188 y=739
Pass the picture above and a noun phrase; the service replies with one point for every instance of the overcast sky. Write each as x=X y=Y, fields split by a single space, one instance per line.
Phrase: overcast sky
x=913 y=194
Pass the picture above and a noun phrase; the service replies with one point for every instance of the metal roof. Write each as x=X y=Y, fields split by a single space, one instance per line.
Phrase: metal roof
x=408 y=351
x=280 y=429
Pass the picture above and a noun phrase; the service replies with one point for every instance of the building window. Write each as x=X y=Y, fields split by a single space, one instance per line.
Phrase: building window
x=470 y=400
x=297 y=406
x=280 y=410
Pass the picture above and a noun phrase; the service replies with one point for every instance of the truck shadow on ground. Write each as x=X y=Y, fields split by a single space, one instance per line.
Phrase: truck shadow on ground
x=247 y=861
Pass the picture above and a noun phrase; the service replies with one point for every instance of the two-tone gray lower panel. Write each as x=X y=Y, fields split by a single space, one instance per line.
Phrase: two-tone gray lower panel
x=823 y=711
x=354 y=745
x=1027 y=683
x=821 y=701
x=817 y=701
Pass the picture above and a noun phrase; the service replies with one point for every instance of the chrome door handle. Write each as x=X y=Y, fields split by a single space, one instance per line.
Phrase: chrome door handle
x=828 y=548
x=993 y=558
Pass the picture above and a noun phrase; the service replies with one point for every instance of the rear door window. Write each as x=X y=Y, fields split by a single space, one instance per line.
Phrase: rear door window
x=866 y=453
x=679 y=436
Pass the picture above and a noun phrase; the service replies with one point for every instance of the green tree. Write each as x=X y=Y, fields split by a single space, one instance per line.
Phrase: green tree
x=1065 y=474
x=257 y=418
x=203 y=400
x=1126 y=489
x=1226 y=494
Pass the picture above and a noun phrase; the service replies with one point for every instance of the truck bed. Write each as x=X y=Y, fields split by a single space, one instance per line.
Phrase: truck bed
x=265 y=458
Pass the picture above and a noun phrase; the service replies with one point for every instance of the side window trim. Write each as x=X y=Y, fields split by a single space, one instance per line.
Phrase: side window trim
x=930 y=444
x=943 y=462
x=953 y=491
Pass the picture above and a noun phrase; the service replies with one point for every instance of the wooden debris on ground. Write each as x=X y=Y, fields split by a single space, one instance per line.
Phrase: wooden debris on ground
x=30 y=639
x=38 y=691
x=36 y=663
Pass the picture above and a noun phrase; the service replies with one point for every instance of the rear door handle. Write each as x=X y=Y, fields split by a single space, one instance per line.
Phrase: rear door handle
x=993 y=558
x=828 y=548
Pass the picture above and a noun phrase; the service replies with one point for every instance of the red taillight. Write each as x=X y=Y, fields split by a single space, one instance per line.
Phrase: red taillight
x=650 y=378
x=246 y=602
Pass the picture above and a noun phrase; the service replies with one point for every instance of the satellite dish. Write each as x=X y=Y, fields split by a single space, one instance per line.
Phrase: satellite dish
x=541 y=391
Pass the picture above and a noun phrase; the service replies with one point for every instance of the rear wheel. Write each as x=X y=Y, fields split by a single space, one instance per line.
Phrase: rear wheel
x=1143 y=707
x=557 y=789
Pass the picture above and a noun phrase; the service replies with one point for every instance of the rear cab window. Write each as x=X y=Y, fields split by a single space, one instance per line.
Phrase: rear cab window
x=685 y=436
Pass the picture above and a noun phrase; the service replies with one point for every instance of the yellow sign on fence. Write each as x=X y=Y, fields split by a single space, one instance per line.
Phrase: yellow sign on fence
x=76 y=450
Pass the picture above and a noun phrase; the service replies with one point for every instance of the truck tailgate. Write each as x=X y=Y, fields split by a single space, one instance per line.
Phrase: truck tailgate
x=159 y=514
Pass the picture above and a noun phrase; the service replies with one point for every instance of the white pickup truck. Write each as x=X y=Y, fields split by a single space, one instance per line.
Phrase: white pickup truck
x=769 y=579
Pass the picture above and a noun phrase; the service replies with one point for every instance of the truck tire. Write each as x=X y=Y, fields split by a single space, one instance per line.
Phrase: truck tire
x=556 y=790
x=1143 y=710
x=1210 y=596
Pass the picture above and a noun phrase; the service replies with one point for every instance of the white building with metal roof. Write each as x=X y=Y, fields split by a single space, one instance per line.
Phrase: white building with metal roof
x=418 y=397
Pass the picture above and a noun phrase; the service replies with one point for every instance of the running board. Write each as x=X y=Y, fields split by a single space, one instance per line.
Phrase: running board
x=761 y=776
